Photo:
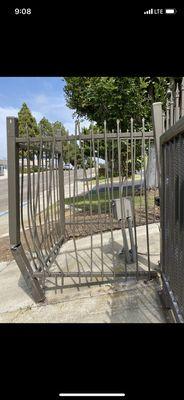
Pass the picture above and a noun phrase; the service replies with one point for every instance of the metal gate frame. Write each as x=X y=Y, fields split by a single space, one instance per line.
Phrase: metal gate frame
x=52 y=147
x=15 y=207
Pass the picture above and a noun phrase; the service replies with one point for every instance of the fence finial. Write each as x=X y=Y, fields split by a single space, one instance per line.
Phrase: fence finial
x=132 y=124
x=163 y=121
x=171 y=109
x=167 y=114
x=177 y=90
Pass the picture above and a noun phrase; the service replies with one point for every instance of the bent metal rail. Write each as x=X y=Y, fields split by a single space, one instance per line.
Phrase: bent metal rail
x=47 y=207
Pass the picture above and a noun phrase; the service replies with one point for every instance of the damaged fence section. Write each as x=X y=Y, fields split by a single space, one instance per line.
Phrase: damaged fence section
x=90 y=190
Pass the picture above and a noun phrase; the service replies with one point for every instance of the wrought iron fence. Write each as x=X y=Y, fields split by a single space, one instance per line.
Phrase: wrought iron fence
x=84 y=205
x=169 y=130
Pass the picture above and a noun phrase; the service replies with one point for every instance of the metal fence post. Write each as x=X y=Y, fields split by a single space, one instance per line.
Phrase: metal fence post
x=61 y=189
x=182 y=98
x=158 y=130
x=157 y=117
x=13 y=181
x=14 y=211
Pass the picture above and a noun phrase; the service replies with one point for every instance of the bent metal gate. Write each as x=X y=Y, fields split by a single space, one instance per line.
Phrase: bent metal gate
x=77 y=227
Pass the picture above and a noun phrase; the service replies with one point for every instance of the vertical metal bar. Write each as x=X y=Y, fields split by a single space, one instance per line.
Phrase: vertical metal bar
x=32 y=153
x=155 y=187
x=31 y=216
x=91 y=201
x=141 y=188
x=134 y=153
x=162 y=209
x=127 y=158
x=105 y=195
x=83 y=175
x=177 y=104
x=57 y=196
x=47 y=198
x=14 y=210
x=74 y=240
x=44 y=202
x=157 y=129
x=51 y=188
x=133 y=200
x=38 y=196
x=112 y=175
x=180 y=171
x=34 y=197
x=13 y=181
x=145 y=197
x=69 y=180
x=98 y=155
x=54 y=196
x=149 y=159
x=171 y=110
x=163 y=122
x=77 y=195
x=61 y=190
x=108 y=192
x=127 y=255
x=99 y=207
x=21 y=212
x=182 y=97
x=167 y=115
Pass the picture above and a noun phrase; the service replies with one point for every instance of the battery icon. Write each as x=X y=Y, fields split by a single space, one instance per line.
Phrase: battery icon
x=170 y=11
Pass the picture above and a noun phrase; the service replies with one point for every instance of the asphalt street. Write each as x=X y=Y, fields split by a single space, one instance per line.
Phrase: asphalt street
x=4 y=187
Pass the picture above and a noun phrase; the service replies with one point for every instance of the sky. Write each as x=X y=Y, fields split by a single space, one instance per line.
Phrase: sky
x=43 y=95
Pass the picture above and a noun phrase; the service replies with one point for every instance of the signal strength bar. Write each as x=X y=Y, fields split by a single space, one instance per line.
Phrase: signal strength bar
x=149 y=11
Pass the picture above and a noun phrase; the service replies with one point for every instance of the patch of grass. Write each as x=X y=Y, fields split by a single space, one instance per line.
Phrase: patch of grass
x=92 y=197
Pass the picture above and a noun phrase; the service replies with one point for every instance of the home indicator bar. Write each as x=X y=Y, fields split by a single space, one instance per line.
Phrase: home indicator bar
x=91 y=394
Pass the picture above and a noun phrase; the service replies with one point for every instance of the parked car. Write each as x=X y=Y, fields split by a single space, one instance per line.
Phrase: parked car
x=68 y=166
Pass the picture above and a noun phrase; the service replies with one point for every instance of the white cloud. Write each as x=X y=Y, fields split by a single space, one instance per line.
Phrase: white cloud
x=52 y=107
x=5 y=112
x=41 y=99
x=10 y=112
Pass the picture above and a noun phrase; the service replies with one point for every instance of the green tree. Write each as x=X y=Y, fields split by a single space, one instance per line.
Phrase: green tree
x=58 y=125
x=112 y=98
x=109 y=98
x=27 y=123
x=45 y=127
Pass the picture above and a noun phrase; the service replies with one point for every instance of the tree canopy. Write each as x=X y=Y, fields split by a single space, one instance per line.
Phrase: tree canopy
x=27 y=123
x=50 y=128
x=112 y=98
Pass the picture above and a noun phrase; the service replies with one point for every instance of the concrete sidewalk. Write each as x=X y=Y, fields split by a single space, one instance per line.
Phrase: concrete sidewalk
x=118 y=301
